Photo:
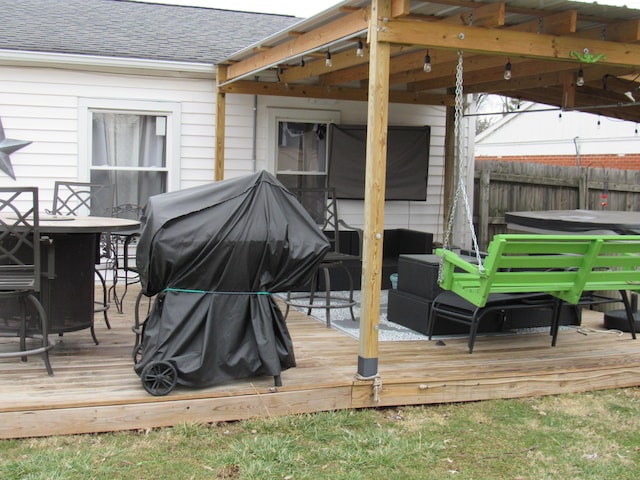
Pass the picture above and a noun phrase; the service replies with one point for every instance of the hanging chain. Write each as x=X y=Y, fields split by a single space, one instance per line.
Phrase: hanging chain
x=462 y=169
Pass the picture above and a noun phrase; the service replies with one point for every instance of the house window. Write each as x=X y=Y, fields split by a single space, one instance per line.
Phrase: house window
x=298 y=145
x=129 y=151
x=131 y=145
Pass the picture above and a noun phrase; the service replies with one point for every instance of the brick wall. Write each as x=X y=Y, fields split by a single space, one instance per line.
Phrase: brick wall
x=620 y=162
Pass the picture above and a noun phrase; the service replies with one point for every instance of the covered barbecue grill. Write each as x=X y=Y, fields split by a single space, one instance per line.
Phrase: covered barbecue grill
x=213 y=255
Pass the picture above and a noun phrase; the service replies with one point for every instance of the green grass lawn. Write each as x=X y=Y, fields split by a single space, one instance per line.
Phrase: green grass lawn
x=583 y=436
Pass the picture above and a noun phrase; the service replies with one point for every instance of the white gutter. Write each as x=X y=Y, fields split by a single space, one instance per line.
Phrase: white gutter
x=18 y=57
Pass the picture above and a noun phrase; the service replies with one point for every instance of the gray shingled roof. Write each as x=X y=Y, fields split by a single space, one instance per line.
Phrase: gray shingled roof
x=123 y=28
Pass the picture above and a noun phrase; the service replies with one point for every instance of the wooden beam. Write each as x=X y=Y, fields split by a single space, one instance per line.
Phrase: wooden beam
x=627 y=31
x=450 y=171
x=361 y=72
x=375 y=178
x=508 y=42
x=341 y=61
x=400 y=8
x=488 y=16
x=568 y=89
x=221 y=113
x=556 y=24
x=314 y=40
x=337 y=93
x=443 y=74
x=535 y=75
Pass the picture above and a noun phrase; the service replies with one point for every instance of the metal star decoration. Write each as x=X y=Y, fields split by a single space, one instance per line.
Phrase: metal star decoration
x=7 y=147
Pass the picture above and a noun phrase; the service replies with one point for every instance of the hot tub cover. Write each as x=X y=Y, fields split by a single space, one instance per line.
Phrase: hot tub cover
x=213 y=255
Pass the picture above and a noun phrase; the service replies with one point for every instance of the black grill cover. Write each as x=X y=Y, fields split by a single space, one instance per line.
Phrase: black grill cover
x=213 y=255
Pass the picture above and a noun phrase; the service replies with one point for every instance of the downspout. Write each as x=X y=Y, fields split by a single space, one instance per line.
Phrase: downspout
x=254 y=153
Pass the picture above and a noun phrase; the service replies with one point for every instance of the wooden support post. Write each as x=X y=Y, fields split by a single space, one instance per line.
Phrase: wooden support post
x=450 y=172
x=376 y=159
x=221 y=112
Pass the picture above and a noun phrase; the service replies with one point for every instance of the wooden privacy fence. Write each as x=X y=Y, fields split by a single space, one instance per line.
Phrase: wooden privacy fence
x=501 y=187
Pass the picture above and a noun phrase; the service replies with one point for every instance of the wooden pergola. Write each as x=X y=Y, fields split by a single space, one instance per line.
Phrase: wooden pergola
x=571 y=55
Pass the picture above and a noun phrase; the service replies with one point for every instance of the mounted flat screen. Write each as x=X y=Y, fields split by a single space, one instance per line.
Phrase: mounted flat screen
x=407 y=161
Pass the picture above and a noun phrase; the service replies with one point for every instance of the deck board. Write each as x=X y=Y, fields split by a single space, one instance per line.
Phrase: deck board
x=95 y=388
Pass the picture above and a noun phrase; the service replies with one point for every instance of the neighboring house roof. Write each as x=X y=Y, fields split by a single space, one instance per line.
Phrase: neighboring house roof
x=542 y=134
x=129 y=29
x=541 y=130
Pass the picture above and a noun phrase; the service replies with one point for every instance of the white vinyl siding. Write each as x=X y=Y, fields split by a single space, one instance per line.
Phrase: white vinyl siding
x=42 y=105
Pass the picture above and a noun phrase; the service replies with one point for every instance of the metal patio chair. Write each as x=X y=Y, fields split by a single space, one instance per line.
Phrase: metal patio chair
x=125 y=252
x=21 y=273
x=322 y=204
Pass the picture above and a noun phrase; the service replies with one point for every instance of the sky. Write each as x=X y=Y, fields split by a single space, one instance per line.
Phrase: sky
x=306 y=8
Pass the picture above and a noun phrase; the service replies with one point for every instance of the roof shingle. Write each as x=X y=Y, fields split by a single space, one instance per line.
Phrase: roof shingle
x=129 y=29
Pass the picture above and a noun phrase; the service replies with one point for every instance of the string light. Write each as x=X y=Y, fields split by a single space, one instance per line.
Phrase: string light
x=360 y=49
x=427 y=62
x=580 y=79
x=328 y=62
x=302 y=64
x=507 y=70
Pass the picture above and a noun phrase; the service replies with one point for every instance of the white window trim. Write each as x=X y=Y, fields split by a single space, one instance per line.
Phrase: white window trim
x=275 y=115
x=173 y=112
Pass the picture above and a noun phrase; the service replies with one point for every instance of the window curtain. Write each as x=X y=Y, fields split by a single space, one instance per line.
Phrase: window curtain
x=130 y=141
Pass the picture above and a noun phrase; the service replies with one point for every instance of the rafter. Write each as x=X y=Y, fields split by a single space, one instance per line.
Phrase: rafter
x=336 y=93
x=507 y=42
x=535 y=74
x=556 y=24
x=628 y=31
x=344 y=27
x=341 y=61
x=610 y=105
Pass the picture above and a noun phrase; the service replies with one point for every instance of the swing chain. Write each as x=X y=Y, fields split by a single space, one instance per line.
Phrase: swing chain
x=460 y=188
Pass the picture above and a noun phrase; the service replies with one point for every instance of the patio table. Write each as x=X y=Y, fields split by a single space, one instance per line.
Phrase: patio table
x=68 y=298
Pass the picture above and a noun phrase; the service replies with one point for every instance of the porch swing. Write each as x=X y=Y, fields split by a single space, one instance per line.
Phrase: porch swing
x=529 y=269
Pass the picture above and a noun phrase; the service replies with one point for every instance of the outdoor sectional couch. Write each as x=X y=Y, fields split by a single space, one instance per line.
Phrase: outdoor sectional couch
x=397 y=241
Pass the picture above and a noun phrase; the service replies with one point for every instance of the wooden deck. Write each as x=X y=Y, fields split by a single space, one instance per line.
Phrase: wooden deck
x=96 y=390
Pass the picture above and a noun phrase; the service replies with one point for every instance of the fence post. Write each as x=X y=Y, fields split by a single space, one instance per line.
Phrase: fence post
x=583 y=188
x=483 y=210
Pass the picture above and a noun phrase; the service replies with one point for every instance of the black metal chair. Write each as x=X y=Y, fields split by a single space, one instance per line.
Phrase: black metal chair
x=125 y=252
x=20 y=273
x=93 y=199
x=452 y=307
x=322 y=205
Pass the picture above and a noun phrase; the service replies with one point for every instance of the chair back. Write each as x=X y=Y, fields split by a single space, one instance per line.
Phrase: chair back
x=322 y=205
x=83 y=198
x=19 y=239
x=128 y=210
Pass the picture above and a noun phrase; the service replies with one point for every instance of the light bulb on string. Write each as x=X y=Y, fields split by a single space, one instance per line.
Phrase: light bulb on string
x=328 y=62
x=360 y=49
x=427 y=63
x=580 y=78
x=507 y=70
